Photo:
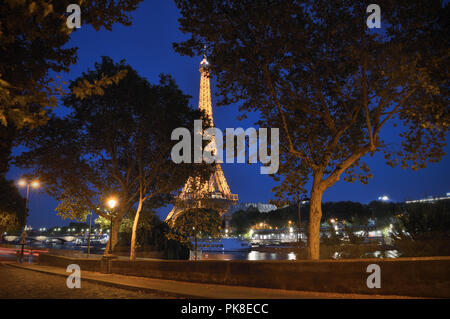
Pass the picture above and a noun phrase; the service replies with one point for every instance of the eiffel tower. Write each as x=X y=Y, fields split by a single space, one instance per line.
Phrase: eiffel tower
x=215 y=192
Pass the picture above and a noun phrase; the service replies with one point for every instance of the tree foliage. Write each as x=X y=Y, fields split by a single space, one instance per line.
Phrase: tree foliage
x=423 y=229
x=354 y=215
x=34 y=41
x=147 y=223
x=12 y=207
x=242 y=220
x=195 y=223
x=314 y=69
x=112 y=144
x=419 y=220
x=151 y=235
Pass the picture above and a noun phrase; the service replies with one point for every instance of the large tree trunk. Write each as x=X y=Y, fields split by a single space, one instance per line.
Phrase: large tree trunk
x=134 y=231
x=315 y=214
x=114 y=234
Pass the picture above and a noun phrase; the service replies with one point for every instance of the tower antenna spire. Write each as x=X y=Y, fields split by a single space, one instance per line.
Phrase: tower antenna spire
x=204 y=65
x=204 y=51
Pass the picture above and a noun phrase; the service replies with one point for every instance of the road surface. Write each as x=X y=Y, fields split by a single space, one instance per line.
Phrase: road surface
x=25 y=284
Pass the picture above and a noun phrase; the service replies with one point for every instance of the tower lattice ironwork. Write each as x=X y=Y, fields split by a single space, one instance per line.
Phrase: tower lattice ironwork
x=214 y=192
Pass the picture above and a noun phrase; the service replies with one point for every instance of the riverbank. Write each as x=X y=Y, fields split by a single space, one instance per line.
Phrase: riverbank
x=419 y=277
x=139 y=287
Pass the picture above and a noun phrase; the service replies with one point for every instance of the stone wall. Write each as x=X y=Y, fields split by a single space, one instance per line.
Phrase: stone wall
x=89 y=264
x=422 y=277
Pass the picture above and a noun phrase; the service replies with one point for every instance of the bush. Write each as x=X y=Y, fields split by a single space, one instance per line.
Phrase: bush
x=423 y=229
x=150 y=237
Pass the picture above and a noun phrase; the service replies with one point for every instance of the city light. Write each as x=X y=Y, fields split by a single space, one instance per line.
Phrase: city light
x=430 y=199
x=112 y=202
x=23 y=182
x=383 y=198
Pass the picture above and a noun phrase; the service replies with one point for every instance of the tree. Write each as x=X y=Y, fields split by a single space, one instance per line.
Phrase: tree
x=147 y=221
x=116 y=142
x=423 y=229
x=12 y=207
x=195 y=222
x=383 y=212
x=33 y=45
x=242 y=220
x=315 y=70
x=419 y=220
x=151 y=235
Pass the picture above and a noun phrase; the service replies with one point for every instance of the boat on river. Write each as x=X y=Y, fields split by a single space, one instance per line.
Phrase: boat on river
x=222 y=244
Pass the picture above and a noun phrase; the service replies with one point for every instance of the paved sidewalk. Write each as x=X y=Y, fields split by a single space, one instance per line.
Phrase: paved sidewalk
x=21 y=283
x=195 y=290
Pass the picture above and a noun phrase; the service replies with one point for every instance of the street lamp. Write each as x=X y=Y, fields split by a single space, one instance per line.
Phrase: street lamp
x=89 y=235
x=25 y=183
x=112 y=203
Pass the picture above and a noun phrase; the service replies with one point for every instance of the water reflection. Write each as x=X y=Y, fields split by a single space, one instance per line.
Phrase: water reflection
x=94 y=249
x=250 y=255
x=261 y=255
x=241 y=255
x=385 y=254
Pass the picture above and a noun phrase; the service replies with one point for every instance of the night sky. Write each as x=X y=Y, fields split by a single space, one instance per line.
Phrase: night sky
x=147 y=47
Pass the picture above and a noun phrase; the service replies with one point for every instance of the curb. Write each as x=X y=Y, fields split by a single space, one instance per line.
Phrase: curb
x=114 y=284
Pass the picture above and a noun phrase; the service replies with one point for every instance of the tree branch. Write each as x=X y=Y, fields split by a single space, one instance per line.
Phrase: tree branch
x=390 y=114
x=340 y=168
x=365 y=102
x=292 y=150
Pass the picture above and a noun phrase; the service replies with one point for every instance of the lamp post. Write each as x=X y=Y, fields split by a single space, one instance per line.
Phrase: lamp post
x=106 y=265
x=25 y=183
x=89 y=235
x=112 y=202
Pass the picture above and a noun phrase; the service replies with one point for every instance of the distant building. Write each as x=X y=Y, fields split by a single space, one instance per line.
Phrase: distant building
x=263 y=208
x=429 y=199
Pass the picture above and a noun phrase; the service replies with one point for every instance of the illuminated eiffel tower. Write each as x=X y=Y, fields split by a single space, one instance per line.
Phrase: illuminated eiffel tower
x=215 y=192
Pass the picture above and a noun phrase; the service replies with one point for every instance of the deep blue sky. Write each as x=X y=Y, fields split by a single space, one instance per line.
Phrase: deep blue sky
x=147 y=47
